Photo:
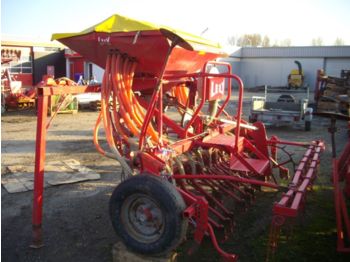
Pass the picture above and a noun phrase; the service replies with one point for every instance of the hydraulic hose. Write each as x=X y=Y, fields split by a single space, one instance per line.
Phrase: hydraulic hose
x=116 y=83
x=125 y=116
x=121 y=75
x=135 y=108
x=105 y=117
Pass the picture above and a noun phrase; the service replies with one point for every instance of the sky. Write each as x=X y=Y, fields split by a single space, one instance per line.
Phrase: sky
x=297 y=20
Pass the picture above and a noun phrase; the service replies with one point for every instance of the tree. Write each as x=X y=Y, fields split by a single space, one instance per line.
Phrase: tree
x=317 y=41
x=244 y=41
x=249 y=40
x=266 y=41
x=339 y=41
x=275 y=43
x=257 y=40
x=231 y=40
x=286 y=42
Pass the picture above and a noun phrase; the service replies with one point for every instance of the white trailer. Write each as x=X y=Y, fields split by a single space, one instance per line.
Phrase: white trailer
x=286 y=110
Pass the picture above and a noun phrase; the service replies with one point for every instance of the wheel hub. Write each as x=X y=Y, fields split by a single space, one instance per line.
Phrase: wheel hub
x=143 y=218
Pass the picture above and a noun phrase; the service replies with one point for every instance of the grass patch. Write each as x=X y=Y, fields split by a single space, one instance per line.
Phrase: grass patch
x=311 y=237
x=314 y=233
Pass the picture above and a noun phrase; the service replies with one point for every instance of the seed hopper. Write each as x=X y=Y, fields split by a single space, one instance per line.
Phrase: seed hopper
x=188 y=164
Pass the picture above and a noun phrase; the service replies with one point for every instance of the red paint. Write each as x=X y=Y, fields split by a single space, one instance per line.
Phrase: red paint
x=149 y=50
x=26 y=79
x=76 y=67
x=341 y=172
x=40 y=151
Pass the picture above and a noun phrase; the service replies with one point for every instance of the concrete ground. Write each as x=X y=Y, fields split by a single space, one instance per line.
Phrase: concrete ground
x=76 y=225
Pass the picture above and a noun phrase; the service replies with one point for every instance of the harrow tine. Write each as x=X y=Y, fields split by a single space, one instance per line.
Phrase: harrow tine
x=275 y=229
x=214 y=223
x=224 y=189
x=226 y=256
x=213 y=212
x=211 y=198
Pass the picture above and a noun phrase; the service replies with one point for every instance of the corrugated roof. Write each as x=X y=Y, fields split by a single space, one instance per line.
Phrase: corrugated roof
x=297 y=51
x=30 y=44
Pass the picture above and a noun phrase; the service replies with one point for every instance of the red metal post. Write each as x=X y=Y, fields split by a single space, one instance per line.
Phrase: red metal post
x=40 y=150
x=318 y=85
x=239 y=109
x=341 y=166
x=160 y=115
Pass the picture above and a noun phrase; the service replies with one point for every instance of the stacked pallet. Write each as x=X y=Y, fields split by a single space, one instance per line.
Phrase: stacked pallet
x=333 y=93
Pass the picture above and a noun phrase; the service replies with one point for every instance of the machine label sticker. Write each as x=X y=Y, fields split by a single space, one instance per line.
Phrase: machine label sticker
x=104 y=40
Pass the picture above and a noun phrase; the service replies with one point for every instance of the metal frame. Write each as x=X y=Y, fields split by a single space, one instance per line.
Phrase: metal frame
x=341 y=184
x=237 y=178
x=221 y=180
x=341 y=172
x=43 y=94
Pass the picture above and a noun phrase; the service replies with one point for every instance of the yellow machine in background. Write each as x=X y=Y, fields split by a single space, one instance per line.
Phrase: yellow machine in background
x=296 y=77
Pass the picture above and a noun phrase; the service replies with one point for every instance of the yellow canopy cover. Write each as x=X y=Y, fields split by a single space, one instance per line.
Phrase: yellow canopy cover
x=117 y=23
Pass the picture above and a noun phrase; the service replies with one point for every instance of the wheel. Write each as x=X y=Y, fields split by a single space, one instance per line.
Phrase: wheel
x=286 y=98
x=307 y=125
x=252 y=119
x=147 y=214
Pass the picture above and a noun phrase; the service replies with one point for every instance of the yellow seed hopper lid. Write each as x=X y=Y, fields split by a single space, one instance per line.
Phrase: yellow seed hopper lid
x=117 y=23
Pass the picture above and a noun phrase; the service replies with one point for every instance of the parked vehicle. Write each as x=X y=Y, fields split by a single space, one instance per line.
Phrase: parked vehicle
x=296 y=77
x=286 y=110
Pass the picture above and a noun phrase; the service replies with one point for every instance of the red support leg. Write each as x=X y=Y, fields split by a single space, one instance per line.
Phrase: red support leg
x=40 y=150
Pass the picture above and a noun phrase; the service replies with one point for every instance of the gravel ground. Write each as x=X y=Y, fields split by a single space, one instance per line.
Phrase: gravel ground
x=76 y=226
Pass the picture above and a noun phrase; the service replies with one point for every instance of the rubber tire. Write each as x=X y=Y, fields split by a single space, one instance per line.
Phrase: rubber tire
x=171 y=204
x=286 y=99
x=252 y=120
x=307 y=125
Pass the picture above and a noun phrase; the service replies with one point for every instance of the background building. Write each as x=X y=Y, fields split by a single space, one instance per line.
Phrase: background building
x=76 y=66
x=29 y=61
x=271 y=66
x=257 y=66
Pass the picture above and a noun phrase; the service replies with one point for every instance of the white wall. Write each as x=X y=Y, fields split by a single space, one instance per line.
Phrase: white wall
x=235 y=66
x=333 y=66
x=275 y=71
x=97 y=72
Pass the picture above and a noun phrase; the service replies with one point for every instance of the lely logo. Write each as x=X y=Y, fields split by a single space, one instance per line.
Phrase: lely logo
x=217 y=88
x=104 y=40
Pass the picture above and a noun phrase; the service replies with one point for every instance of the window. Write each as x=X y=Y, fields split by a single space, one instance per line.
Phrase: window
x=20 y=59
x=90 y=71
